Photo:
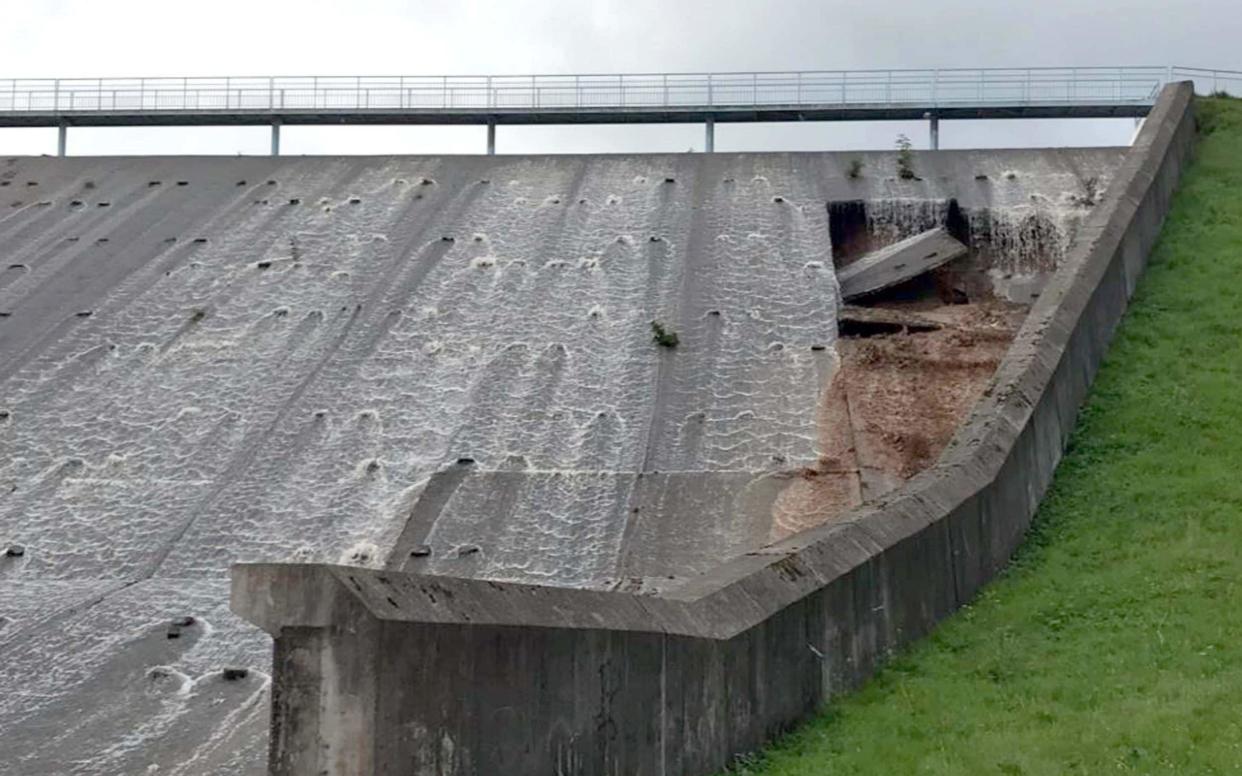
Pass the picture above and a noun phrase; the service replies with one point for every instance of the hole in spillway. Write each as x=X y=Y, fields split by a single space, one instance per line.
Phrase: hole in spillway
x=853 y=234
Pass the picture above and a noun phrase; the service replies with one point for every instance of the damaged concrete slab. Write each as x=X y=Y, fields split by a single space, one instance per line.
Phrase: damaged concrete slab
x=899 y=262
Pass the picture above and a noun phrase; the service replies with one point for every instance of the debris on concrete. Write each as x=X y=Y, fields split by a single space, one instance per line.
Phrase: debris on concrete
x=869 y=321
x=663 y=337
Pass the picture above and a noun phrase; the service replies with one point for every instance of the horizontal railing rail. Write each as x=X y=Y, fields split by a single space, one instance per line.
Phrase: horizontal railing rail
x=671 y=91
x=1210 y=81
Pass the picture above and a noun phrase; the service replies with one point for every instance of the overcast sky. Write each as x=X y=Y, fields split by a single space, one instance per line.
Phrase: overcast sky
x=90 y=38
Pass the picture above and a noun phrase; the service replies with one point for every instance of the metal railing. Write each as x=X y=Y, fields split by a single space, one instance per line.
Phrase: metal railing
x=671 y=91
x=1210 y=81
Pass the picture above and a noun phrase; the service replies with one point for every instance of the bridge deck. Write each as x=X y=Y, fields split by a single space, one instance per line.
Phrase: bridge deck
x=662 y=98
x=537 y=99
x=615 y=115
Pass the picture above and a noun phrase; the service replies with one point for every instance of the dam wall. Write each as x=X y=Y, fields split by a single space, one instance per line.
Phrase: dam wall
x=379 y=671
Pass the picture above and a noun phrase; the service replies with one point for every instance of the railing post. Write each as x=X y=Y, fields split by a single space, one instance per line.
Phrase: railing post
x=710 y=96
x=56 y=96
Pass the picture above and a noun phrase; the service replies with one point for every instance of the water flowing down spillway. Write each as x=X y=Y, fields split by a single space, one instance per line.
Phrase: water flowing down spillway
x=439 y=364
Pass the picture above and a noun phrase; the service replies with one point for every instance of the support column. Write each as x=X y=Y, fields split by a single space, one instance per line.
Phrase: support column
x=275 y=137
x=62 y=139
x=933 y=122
x=491 y=138
x=711 y=135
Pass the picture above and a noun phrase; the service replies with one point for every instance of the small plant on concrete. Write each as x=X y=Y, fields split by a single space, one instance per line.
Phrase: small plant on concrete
x=905 y=158
x=855 y=169
x=1090 y=192
x=750 y=764
x=663 y=337
x=1221 y=94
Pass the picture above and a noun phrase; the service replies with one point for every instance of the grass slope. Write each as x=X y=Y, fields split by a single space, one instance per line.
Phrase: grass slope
x=1113 y=644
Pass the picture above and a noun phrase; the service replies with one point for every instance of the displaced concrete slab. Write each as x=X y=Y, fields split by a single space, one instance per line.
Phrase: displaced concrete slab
x=868 y=321
x=898 y=263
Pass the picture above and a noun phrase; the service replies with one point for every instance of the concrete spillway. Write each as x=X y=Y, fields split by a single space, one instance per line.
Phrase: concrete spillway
x=443 y=365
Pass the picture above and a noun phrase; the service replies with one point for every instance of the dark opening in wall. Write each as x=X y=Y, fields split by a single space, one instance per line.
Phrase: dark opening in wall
x=847 y=228
x=861 y=327
x=957 y=224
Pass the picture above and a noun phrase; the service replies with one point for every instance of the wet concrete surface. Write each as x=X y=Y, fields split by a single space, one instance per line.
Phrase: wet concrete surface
x=428 y=363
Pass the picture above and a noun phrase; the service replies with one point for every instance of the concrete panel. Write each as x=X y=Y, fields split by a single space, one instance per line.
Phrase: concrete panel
x=899 y=262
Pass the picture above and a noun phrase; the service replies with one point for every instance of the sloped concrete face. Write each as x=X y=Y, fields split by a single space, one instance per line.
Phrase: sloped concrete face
x=421 y=364
x=480 y=677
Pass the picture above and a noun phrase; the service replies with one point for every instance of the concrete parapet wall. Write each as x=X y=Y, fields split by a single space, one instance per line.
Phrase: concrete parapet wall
x=389 y=672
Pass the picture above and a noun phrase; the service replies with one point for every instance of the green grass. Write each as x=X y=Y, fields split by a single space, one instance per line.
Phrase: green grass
x=1113 y=643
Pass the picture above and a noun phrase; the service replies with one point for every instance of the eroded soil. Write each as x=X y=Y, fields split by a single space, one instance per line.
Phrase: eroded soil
x=909 y=373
